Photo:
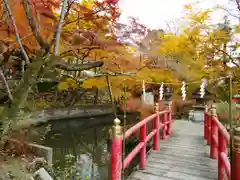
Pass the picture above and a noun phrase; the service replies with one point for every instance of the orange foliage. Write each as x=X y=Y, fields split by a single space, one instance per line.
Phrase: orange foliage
x=135 y=104
x=43 y=13
x=86 y=24
x=86 y=27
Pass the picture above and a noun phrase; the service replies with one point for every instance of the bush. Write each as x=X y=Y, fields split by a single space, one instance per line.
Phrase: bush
x=70 y=171
x=180 y=107
x=223 y=110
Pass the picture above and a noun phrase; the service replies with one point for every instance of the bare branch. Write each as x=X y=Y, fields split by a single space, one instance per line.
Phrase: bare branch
x=238 y=4
x=59 y=27
x=6 y=85
x=55 y=33
x=110 y=73
x=32 y=23
x=80 y=67
x=226 y=54
x=230 y=13
x=10 y=15
x=84 y=16
x=220 y=50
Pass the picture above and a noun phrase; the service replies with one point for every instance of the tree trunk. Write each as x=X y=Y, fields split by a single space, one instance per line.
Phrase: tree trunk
x=8 y=116
x=96 y=96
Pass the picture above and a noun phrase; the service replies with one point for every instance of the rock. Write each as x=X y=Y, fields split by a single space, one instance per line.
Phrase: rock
x=42 y=174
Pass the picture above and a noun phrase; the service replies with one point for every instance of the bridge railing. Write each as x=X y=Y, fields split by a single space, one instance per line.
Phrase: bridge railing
x=117 y=140
x=218 y=138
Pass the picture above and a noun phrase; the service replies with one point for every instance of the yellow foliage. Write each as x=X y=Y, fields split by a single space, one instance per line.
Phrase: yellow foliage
x=201 y=16
x=62 y=86
x=237 y=28
x=195 y=45
x=98 y=82
x=155 y=75
x=116 y=83
x=88 y=3
x=188 y=6
x=68 y=83
x=72 y=83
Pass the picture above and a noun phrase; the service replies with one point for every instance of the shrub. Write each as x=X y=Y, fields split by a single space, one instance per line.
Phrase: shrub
x=223 y=110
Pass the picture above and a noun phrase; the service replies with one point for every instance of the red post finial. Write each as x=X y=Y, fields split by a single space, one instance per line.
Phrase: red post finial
x=116 y=151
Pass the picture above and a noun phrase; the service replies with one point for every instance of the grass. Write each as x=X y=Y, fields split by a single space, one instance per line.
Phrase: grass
x=13 y=168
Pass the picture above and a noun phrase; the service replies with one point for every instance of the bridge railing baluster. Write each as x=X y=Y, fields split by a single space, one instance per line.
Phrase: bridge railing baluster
x=143 y=135
x=214 y=134
x=164 y=127
x=222 y=146
x=169 y=121
x=156 y=128
x=209 y=124
x=206 y=122
x=116 y=151
x=236 y=154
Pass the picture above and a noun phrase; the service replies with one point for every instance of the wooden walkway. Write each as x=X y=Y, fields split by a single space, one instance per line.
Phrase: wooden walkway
x=183 y=156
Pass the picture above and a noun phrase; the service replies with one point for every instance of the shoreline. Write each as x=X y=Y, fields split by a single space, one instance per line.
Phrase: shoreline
x=49 y=115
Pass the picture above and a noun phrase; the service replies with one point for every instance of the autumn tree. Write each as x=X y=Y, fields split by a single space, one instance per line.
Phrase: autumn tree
x=39 y=37
x=202 y=46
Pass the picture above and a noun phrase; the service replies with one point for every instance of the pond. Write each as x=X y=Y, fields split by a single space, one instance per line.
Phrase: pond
x=87 y=142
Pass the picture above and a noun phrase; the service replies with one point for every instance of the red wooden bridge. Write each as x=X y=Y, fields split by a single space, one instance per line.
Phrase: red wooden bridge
x=183 y=151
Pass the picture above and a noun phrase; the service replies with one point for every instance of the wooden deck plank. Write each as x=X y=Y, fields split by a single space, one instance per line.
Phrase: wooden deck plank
x=183 y=156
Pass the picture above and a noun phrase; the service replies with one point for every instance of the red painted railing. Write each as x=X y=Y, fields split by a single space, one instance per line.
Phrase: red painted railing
x=116 y=144
x=218 y=137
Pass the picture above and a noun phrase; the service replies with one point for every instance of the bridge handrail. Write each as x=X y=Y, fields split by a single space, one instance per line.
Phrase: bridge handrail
x=218 y=137
x=133 y=129
x=221 y=129
x=116 y=141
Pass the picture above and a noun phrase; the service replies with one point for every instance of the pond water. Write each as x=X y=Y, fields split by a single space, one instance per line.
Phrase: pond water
x=87 y=142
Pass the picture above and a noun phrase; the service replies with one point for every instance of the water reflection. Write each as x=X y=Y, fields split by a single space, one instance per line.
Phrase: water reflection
x=88 y=145
x=86 y=141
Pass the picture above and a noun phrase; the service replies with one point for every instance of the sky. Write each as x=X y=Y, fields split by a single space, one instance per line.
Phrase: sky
x=155 y=13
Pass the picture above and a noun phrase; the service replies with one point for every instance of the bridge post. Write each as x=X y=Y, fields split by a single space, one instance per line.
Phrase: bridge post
x=206 y=122
x=209 y=129
x=116 y=151
x=143 y=151
x=236 y=154
x=169 y=126
x=164 y=116
x=222 y=145
x=156 y=127
x=214 y=133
